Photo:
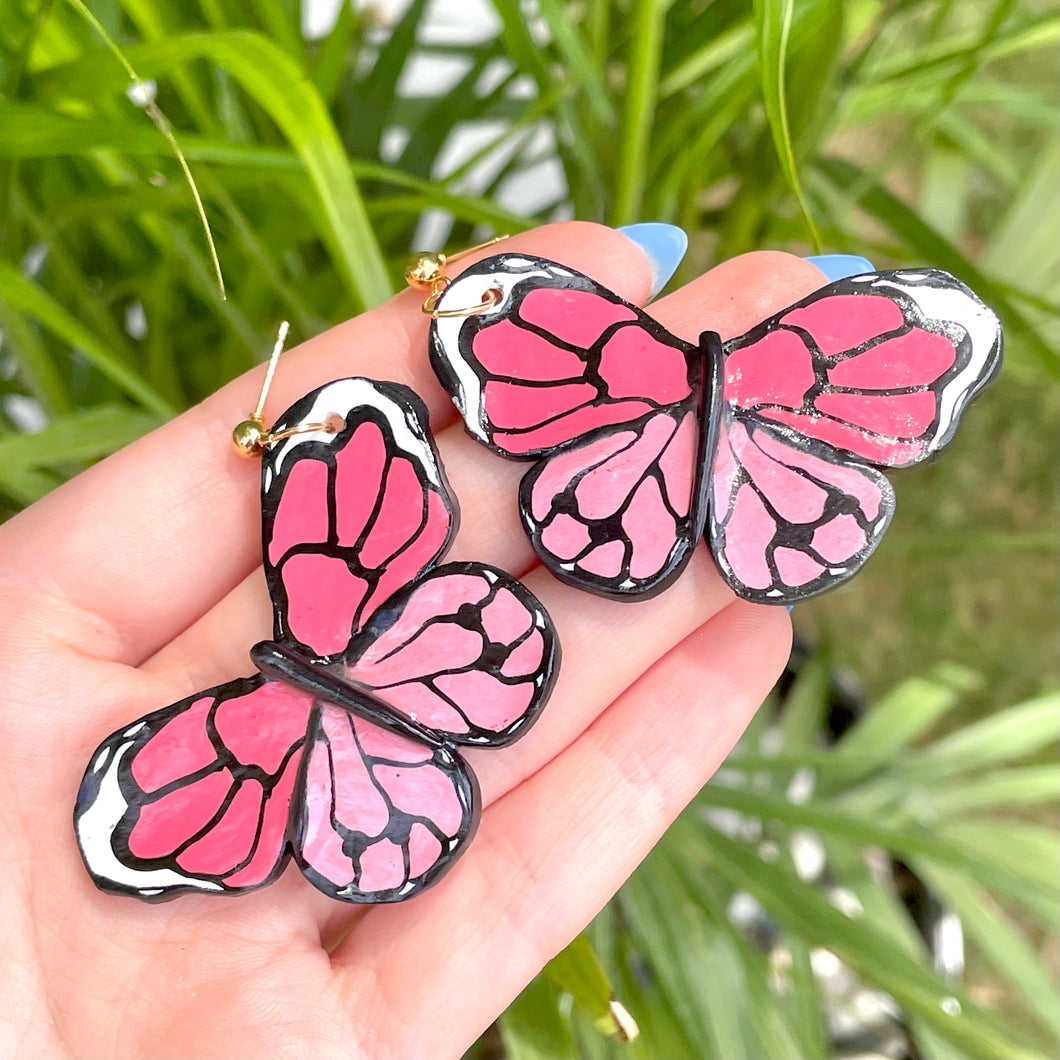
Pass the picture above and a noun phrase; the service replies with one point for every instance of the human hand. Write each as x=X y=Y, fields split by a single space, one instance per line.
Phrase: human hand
x=139 y=582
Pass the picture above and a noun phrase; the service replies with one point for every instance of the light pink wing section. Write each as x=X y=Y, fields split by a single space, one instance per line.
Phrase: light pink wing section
x=558 y=356
x=789 y=518
x=879 y=366
x=381 y=817
x=351 y=517
x=197 y=796
x=467 y=651
x=616 y=512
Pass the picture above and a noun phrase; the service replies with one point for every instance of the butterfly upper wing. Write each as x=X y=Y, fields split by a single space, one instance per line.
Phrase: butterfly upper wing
x=556 y=357
x=382 y=816
x=349 y=518
x=879 y=366
x=196 y=796
x=467 y=651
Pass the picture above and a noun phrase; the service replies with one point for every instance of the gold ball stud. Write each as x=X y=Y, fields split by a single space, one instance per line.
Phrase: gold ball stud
x=424 y=269
x=247 y=437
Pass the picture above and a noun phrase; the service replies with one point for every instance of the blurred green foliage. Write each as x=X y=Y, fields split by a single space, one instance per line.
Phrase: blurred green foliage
x=912 y=131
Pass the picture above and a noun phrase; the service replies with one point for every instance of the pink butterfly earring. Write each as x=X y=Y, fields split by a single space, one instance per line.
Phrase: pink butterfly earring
x=343 y=749
x=770 y=444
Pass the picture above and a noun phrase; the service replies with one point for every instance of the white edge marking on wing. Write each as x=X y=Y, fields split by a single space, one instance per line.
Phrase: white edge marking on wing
x=469 y=290
x=952 y=303
x=345 y=396
x=96 y=826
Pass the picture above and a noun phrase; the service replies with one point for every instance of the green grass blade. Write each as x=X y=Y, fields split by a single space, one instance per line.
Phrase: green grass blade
x=1022 y=787
x=30 y=298
x=576 y=969
x=773 y=25
x=634 y=133
x=920 y=238
x=806 y=911
x=533 y=1028
x=1000 y=941
x=970 y=852
x=578 y=59
x=907 y=713
x=36 y=366
x=74 y=439
x=277 y=84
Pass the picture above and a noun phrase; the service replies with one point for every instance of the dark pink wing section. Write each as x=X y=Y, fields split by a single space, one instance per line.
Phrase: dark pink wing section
x=616 y=512
x=879 y=366
x=350 y=517
x=381 y=817
x=789 y=518
x=197 y=796
x=467 y=651
x=557 y=356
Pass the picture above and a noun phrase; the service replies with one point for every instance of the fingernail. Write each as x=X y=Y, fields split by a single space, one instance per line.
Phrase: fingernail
x=840 y=266
x=664 y=246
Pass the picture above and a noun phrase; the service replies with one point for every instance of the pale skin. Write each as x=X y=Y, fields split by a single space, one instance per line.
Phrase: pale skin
x=139 y=583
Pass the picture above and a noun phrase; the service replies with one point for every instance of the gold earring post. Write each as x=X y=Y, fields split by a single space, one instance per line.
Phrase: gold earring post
x=426 y=272
x=250 y=436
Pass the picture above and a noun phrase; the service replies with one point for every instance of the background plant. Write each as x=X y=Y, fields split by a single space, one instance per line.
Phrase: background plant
x=914 y=131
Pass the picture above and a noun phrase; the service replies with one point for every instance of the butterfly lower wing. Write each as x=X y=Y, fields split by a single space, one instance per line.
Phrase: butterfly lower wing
x=558 y=355
x=381 y=817
x=196 y=796
x=467 y=651
x=618 y=512
x=879 y=366
x=349 y=517
x=789 y=517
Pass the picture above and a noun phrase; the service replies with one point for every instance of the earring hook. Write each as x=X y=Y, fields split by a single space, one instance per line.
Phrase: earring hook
x=250 y=437
x=426 y=272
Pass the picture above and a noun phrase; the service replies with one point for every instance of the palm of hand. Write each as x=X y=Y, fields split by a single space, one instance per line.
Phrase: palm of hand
x=139 y=583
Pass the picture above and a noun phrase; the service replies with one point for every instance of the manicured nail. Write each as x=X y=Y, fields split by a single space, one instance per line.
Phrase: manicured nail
x=663 y=245
x=840 y=266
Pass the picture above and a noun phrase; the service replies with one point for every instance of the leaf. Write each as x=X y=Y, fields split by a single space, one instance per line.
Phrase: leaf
x=282 y=89
x=1022 y=787
x=969 y=851
x=805 y=910
x=907 y=712
x=27 y=296
x=923 y=240
x=576 y=969
x=75 y=438
x=533 y=1027
x=577 y=58
x=1001 y=942
x=773 y=25
x=634 y=134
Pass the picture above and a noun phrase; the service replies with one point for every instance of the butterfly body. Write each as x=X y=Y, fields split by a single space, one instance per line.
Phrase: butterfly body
x=343 y=750
x=769 y=444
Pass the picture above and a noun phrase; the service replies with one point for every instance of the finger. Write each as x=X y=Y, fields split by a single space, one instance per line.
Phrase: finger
x=150 y=538
x=553 y=851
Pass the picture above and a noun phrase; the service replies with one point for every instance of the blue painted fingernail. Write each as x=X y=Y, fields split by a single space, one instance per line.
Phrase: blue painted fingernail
x=664 y=246
x=840 y=266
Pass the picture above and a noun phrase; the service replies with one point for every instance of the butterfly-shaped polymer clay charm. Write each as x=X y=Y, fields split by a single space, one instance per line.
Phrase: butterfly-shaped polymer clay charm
x=343 y=749
x=770 y=444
